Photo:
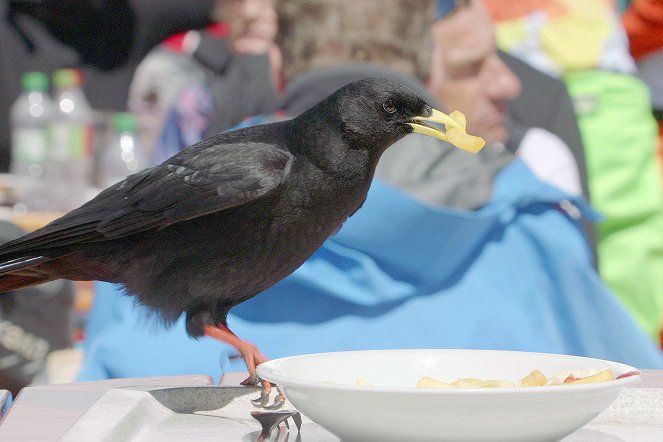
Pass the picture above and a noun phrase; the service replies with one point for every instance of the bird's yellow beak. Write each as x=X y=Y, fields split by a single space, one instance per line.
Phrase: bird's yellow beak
x=454 y=132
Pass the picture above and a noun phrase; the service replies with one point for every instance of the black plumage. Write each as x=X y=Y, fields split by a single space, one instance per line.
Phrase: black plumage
x=229 y=216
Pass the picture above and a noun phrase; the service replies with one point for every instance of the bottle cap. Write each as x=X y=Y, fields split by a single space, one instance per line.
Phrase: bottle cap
x=34 y=80
x=124 y=122
x=67 y=78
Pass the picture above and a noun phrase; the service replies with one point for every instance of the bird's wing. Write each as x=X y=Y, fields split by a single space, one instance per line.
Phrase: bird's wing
x=200 y=180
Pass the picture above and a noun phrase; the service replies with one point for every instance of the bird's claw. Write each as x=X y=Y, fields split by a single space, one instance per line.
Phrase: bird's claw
x=279 y=400
x=253 y=380
x=263 y=400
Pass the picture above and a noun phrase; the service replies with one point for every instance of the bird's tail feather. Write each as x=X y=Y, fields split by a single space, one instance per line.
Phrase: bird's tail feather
x=16 y=274
x=20 y=263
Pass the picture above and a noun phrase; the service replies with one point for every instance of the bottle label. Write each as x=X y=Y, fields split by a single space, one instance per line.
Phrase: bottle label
x=71 y=140
x=29 y=145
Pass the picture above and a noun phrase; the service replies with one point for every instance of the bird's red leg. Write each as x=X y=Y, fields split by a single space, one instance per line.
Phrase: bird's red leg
x=251 y=354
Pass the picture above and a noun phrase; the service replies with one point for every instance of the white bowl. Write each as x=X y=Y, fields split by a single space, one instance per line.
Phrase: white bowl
x=323 y=387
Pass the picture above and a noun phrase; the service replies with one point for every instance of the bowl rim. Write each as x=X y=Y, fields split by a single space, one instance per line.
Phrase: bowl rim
x=269 y=371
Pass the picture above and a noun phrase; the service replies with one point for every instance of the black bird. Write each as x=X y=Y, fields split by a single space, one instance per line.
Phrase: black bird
x=232 y=215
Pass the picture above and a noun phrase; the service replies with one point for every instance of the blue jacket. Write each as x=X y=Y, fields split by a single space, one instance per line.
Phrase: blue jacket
x=516 y=274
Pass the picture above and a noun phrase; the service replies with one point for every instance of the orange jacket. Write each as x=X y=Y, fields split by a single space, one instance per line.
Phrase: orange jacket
x=643 y=21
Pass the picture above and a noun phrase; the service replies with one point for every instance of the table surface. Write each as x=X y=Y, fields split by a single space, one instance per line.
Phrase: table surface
x=45 y=413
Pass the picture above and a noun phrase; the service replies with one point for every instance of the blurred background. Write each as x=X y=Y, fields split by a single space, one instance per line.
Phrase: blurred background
x=94 y=90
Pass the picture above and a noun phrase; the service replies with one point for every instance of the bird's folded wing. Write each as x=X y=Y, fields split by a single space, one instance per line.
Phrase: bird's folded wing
x=201 y=182
x=196 y=182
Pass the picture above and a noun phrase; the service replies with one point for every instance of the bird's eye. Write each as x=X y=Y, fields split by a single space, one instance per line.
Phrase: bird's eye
x=389 y=106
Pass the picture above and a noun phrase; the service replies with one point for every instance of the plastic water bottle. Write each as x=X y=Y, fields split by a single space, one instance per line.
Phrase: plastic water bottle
x=31 y=116
x=70 y=158
x=123 y=156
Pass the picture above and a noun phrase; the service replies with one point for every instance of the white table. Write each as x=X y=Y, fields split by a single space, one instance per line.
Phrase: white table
x=45 y=413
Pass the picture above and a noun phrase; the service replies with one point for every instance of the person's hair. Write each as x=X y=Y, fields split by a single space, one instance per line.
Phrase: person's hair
x=318 y=33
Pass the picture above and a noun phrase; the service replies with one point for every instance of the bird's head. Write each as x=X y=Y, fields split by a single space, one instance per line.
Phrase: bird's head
x=378 y=112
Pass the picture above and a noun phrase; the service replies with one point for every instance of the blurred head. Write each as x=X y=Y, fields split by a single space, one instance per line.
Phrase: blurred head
x=320 y=33
x=251 y=24
x=467 y=74
x=251 y=30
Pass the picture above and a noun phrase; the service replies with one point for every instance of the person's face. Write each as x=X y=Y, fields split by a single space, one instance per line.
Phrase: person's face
x=468 y=75
x=251 y=23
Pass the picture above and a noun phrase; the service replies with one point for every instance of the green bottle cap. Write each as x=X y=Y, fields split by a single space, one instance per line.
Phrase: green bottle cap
x=67 y=78
x=34 y=81
x=124 y=122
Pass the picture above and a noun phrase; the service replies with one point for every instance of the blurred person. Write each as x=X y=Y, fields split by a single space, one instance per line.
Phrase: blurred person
x=502 y=96
x=585 y=45
x=643 y=22
x=204 y=82
x=473 y=75
x=557 y=116
x=449 y=251
x=105 y=39
x=560 y=36
x=479 y=83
